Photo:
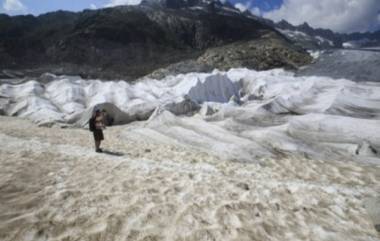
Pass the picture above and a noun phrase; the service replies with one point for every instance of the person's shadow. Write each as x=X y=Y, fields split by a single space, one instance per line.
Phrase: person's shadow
x=113 y=153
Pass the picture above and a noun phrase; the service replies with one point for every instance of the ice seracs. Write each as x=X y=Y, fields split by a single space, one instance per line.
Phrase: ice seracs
x=239 y=114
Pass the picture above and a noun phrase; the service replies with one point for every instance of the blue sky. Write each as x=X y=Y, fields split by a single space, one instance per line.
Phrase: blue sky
x=42 y=6
x=263 y=5
x=338 y=15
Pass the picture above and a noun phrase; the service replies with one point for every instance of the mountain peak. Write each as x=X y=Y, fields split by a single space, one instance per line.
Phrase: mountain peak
x=283 y=24
x=305 y=25
x=177 y=4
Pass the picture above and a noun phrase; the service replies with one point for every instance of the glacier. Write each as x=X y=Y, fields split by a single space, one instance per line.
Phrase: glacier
x=240 y=115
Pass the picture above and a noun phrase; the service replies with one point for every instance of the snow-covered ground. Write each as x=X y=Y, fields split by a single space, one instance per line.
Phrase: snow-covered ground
x=53 y=186
x=237 y=155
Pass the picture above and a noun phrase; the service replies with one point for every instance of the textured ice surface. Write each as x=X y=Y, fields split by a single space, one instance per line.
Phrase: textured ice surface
x=358 y=65
x=244 y=114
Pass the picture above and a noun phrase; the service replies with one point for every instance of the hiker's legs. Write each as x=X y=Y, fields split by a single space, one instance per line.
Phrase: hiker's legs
x=97 y=144
x=98 y=137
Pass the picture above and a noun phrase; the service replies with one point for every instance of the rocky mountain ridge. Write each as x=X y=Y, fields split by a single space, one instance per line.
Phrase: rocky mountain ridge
x=128 y=42
x=310 y=37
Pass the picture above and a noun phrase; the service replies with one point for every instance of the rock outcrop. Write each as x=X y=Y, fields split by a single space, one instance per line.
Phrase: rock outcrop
x=128 y=42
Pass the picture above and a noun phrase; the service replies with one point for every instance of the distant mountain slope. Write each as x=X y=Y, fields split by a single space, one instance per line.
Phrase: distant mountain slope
x=352 y=64
x=132 y=41
x=317 y=38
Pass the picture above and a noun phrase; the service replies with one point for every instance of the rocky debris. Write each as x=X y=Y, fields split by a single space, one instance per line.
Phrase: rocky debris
x=260 y=54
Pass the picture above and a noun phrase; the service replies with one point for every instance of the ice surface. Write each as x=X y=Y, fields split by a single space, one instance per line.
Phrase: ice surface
x=237 y=155
x=67 y=96
x=55 y=187
x=243 y=114
x=355 y=64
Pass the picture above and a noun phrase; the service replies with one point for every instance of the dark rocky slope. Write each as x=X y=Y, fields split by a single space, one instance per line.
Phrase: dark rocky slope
x=131 y=41
x=261 y=54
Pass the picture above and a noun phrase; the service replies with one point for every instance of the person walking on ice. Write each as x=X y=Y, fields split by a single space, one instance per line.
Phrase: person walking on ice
x=97 y=125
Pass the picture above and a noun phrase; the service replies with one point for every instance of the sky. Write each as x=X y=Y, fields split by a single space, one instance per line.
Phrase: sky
x=338 y=15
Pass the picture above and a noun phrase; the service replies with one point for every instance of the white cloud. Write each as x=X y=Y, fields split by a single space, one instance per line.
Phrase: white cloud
x=248 y=6
x=256 y=11
x=93 y=6
x=113 y=3
x=338 y=15
x=242 y=7
x=14 y=6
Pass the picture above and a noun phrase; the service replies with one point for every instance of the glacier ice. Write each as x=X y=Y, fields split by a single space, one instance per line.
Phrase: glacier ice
x=272 y=113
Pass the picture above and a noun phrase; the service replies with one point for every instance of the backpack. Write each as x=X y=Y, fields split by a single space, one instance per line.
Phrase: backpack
x=91 y=124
